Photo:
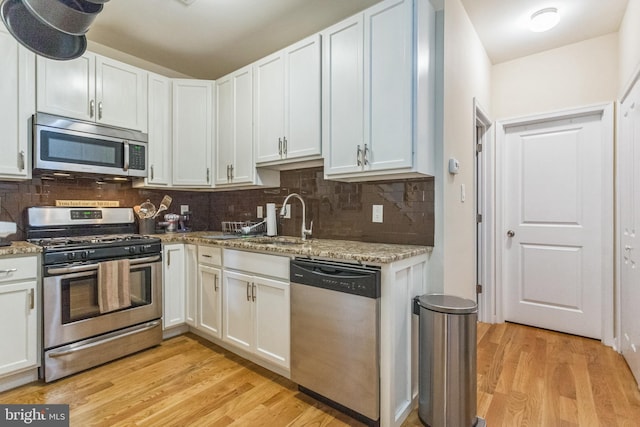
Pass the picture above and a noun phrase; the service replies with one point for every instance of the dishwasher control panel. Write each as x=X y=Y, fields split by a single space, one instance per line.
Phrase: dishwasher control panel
x=341 y=277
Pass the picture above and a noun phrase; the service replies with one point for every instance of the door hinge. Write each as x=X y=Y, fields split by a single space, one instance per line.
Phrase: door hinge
x=478 y=148
x=479 y=218
x=478 y=289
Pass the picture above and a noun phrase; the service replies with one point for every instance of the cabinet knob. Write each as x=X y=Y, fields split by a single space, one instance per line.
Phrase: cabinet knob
x=511 y=233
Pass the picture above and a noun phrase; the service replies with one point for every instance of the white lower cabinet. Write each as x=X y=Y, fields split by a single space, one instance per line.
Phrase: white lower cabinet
x=173 y=285
x=209 y=306
x=191 y=283
x=256 y=307
x=18 y=314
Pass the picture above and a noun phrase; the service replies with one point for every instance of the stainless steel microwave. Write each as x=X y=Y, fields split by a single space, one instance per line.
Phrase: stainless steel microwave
x=62 y=144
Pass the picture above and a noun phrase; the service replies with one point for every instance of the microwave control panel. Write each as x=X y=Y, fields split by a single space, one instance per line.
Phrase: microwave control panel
x=137 y=157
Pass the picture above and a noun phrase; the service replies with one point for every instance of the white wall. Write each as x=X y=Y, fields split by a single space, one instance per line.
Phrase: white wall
x=467 y=74
x=570 y=76
x=629 y=44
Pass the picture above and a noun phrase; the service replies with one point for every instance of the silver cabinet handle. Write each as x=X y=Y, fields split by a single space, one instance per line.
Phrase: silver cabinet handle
x=284 y=141
x=248 y=292
x=92 y=107
x=100 y=110
x=253 y=292
x=511 y=233
x=32 y=302
x=21 y=160
x=9 y=270
x=358 y=153
x=231 y=168
x=208 y=175
x=280 y=146
x=364 y=155
x=168 y=258
x=151 y=170
x=215 y=283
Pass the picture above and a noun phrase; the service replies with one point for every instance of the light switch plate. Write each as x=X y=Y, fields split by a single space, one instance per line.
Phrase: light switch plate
x=376 y=215
x=259 y=212
x=183 y=209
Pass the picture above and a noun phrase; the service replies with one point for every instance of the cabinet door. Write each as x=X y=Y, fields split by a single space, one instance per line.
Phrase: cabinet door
x=269 y=107
x=238 y=310
x=388 y=54
x=191 y=276
x=67 y=88
x=342 y=100
x=173 y=286
x=17 y=95
x=234 y=142
x=302 y=95
x=121 y=94
x=210 y=300
x=272 y=320
x=18 y=326
x=159 y=131
x=192 y=127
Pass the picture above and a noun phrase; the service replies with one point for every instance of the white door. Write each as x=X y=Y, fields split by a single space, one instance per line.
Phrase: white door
x=210 y=301
x=238 y=310
x=272 y=320
x=629 y=211
x=557 y=222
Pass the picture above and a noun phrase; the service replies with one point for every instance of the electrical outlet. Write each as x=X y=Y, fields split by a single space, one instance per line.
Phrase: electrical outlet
x=183 y=209
x=376 y=215
x=259 y=213
x=287 y=211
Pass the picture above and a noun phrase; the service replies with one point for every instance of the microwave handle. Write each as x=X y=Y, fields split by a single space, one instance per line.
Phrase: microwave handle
x=126 y=155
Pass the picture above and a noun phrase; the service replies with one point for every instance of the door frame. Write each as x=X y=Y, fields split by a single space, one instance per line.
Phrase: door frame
x=483 y=133
x=497 y=243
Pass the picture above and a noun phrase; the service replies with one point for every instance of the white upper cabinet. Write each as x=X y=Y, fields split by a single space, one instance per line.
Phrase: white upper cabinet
x=287 y=104
x=192 y=132
x=373 y=90
x=17 y=105
x=234 y=142
x=93 y=88
x=159 y=145
x=235 y=165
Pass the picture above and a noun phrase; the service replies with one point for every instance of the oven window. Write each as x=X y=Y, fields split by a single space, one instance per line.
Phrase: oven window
x=80 y=294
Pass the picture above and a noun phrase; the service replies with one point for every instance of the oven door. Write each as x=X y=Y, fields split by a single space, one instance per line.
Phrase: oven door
x=70 y=301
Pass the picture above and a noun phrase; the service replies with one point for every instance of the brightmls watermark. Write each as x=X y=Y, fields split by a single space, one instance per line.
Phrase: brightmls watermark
x=34 y=415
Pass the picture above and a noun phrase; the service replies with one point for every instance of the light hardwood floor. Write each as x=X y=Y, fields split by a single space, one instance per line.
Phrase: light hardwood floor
x=526 y=377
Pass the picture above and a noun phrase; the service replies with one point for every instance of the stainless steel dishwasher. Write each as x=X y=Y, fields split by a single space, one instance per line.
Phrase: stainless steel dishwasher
x=335 y=334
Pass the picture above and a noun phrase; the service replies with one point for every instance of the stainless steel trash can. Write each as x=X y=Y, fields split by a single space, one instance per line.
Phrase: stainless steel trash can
x=447 y=361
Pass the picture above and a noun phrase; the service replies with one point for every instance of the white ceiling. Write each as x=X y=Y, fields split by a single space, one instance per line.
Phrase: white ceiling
x=211 y=38
x=502 y=25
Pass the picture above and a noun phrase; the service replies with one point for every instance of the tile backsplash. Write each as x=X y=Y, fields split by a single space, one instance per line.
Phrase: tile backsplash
x=339 y=210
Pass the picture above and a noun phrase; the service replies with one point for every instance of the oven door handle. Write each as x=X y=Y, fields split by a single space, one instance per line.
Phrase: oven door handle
x=148 y=326
x=92 y=267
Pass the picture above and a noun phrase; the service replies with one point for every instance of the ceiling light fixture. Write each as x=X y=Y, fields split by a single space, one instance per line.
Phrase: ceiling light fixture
x=544 y=19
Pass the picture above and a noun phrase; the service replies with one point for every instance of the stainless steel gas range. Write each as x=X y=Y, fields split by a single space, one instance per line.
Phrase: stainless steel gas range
x=102 y=286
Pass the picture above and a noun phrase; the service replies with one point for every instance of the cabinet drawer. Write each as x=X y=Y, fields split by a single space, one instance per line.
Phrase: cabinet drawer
x=18 y=268
x=209 y=255
x=261 y=264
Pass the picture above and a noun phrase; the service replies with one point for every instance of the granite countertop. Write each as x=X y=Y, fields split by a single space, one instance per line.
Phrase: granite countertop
x=381 y=253
x=20 y=248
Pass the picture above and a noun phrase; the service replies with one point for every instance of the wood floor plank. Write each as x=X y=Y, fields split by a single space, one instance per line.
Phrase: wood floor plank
x=526 y=377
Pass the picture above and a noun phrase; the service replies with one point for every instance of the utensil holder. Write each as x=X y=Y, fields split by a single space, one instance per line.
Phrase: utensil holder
x=147 y=226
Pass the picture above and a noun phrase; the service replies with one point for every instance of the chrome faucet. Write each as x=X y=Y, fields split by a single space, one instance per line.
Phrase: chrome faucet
x=305 y=232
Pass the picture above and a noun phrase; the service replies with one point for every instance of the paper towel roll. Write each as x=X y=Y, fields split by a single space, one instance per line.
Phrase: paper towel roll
x=272 y=225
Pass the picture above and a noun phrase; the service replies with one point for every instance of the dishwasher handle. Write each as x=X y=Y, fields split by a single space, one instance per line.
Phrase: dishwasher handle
x=340 y=277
